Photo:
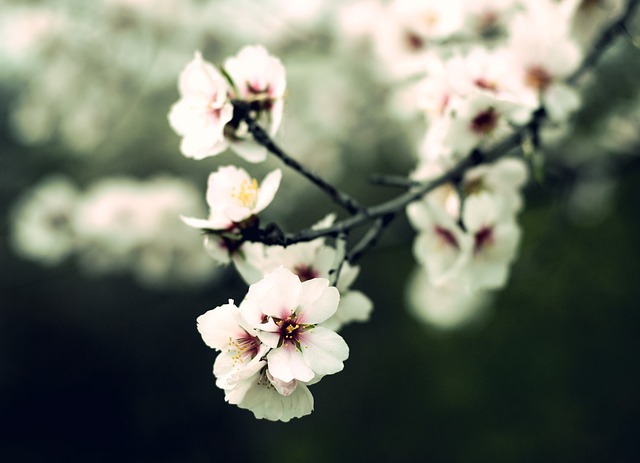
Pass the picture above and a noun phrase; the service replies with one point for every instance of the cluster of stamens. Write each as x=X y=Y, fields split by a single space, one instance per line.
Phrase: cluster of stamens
x=290 y=330
x=247 y=194
x=242 y=347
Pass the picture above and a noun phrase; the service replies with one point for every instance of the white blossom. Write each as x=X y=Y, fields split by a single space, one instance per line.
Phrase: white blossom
x=258 y=79
x=308 y=260
x=271 y=347
x=203 y=110
x=233 y=196
x=286 y=312
x=42 y=221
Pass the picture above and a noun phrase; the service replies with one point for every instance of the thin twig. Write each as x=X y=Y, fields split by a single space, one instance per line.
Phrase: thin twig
x=260 y=136
x=385 y=211
x=341 y=252
x=370 y=239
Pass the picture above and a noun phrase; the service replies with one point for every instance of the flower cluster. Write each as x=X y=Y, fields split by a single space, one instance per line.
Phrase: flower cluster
x=475 y=73
x=204 y=114
x=480 y=69
x=274 y=344
x=467 y=236
x=118 y=224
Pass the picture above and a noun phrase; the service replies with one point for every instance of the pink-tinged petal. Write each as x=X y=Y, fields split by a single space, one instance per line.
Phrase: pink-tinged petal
x=323 y=350
x=222 y=183
x=278 y=293
x=268 y=189
x=202 y=143
x=269 y=338
x=218 y=325
x=199 y=77
x=282 y=387
x=286 y=363
x=318 y=301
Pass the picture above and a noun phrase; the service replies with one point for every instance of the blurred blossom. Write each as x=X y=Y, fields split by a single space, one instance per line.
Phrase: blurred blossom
x=124 y=223
x=42 y=228
x=444 y=306
x=118 y=224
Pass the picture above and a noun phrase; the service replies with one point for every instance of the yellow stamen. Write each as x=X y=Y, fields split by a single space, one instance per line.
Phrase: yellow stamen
x=247 y=194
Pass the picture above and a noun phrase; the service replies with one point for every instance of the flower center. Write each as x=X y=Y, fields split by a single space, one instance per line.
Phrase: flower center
x=485 y=121
x=247 y=194
x=537 y=78
x=473 y=186
x=306 y=272
x=290 y=330
x=413 y=41
x=446 y=237
x=260 y=97
x=483 y=238
x=485 y=84
x=430 y=18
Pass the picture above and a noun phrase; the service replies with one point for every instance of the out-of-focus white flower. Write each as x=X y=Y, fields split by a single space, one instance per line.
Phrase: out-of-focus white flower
x=125 y=224
x=405 y=32
x=356 y=20
x=25 y=31
x=469 y=241
x=541 y=61
x=203 y=110
x=446 y=306
x=258 y=79
x=42 y=221
x=429 y=19
x=287 y=314
x=495 y=242
x=466 y=123
x=233 y=196
x=488 y=18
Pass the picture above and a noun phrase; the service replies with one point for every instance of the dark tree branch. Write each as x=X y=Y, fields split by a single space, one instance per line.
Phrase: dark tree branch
x=382 y=214
x=260 y=136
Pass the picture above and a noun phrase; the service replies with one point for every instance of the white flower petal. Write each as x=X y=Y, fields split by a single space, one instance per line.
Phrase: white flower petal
x=323 y=350
x=286 y=363
x=318 y=301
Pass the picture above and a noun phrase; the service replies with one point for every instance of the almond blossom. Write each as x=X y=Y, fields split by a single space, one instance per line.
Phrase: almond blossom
x=468 y=236
x=271 y=347
x=258 y=79
x=204 y=114
x=240 y=368
x=543 y=55
x=203 y=110
x=286 y=312
x=308 y=260
x=234 y=196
